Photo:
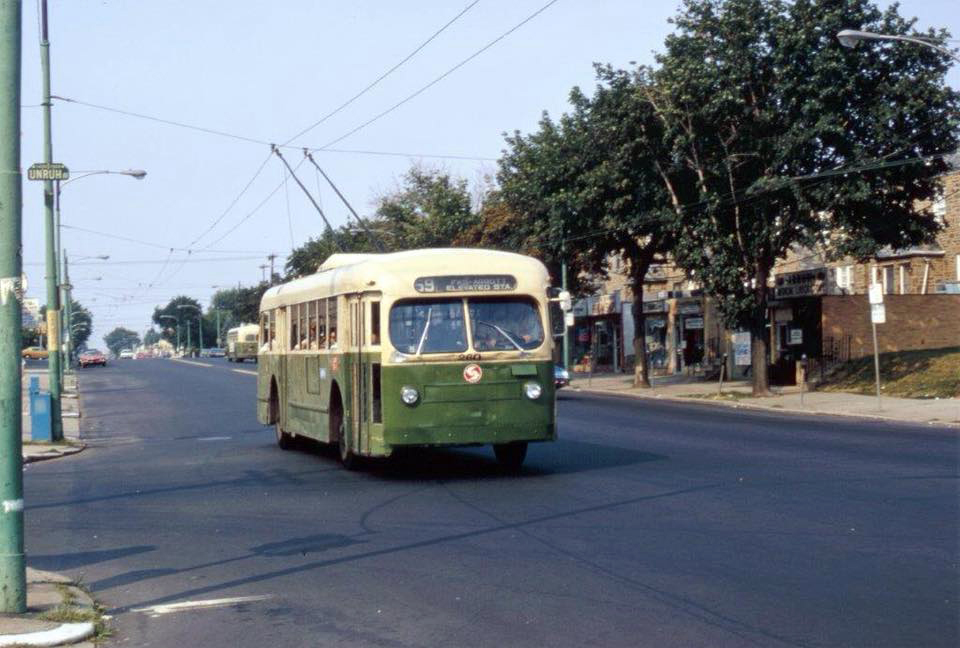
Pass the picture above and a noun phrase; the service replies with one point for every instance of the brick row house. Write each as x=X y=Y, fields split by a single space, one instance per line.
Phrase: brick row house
x=818 y=309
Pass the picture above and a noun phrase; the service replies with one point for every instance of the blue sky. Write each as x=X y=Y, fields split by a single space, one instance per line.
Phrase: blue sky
x=266 y=71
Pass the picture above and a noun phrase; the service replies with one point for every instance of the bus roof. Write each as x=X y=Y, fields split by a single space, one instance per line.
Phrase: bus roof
x=395 y=273
x=243 y=327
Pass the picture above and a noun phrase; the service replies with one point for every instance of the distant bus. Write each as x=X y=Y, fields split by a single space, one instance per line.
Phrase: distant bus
x=437 y=347
x=242 y=343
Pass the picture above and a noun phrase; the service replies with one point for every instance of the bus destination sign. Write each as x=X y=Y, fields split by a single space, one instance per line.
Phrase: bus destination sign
x=465 y=283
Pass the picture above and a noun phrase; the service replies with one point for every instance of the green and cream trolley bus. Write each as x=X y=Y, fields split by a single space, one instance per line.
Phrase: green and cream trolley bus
x=437 y=347
x=242 y=343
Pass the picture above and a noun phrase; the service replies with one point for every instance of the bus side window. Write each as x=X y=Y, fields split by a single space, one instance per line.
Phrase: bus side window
x=312 y=319
x=375 y=323
x=294 y=332
x=264 y=329
x=272 y=327
x=332 y=319
x=321 y=306
x=302 y=326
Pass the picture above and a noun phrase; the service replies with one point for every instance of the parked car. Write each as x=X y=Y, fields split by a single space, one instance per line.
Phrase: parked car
x=92 y=357
x=34 y=353
x=127 y=354
x=142 y=354
x=561 y=377
x=217 y=352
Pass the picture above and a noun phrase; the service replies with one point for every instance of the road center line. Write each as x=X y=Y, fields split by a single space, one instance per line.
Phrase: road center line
x=246 y=371
x=191 y=362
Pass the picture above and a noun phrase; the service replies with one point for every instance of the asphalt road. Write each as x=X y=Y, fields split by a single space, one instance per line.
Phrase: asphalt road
x=647 y=524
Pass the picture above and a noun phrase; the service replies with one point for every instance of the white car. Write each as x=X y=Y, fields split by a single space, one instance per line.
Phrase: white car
x=126 y=354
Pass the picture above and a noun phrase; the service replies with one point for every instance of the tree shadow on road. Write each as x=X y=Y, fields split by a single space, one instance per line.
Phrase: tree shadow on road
x=57 y=562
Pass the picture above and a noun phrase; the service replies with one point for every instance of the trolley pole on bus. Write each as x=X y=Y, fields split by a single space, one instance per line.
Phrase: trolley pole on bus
x=13 y=585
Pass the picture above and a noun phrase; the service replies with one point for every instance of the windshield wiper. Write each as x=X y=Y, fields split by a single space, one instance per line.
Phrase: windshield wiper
x=426 y=327
x=504 y=334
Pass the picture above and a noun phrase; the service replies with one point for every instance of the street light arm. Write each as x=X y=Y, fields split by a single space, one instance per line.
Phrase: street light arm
x=138 y=174
x=850 y=38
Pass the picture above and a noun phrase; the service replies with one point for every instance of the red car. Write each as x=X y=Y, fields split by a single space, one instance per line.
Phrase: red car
x=92 y=357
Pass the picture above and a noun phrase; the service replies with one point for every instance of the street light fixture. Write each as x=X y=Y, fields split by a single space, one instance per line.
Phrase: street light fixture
x=851 y=37
x=138 y=174
x=199 y=323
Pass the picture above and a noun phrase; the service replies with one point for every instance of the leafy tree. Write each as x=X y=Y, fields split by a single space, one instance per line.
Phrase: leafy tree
x=242 y=304
x=590 y=182
x=760 y=105
x=181 y=318
x=121 y=338
x=429 y=209
x=81 y=323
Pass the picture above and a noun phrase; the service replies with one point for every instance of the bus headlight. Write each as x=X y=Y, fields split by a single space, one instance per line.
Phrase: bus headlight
x=409 y=395
x=532 y=390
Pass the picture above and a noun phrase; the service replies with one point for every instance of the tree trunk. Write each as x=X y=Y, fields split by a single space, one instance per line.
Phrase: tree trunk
x=759 y=335
x=638 y=272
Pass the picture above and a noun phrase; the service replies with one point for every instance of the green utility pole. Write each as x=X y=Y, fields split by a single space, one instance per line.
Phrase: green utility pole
x=13 y=580
x=188 y=335
x=218 y=329
x=53 y=287
x=563 y=284
x=67 y=306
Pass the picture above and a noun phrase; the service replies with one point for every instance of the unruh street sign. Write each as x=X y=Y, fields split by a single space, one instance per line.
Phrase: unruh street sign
x=876 y=293
x=48 y=171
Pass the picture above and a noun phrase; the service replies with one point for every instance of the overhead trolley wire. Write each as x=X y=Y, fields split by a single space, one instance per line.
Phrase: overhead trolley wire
x=439 y=78
x=382 y=76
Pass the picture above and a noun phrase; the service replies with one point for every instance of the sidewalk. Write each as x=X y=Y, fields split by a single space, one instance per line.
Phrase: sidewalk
x=58 y=612
x=945 y=411
x=70 y=404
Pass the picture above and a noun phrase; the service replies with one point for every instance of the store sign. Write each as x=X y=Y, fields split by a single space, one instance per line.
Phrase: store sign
x=689 y=308
x=657 y=306
x=693 y=323
x=796 y=336
x=805 y=283
x=605 y=304
x=741 y=349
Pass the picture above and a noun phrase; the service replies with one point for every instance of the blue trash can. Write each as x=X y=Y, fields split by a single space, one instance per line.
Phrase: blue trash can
x=40 y=423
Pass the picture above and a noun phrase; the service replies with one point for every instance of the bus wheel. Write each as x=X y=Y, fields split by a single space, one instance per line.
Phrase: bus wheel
x=511 y=455
x=284 y=440
x=347 y=458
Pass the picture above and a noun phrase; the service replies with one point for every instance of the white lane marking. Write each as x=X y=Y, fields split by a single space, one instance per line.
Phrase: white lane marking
x=214 y=438
x=186 y=606
x=246 y=371
x=191 y=362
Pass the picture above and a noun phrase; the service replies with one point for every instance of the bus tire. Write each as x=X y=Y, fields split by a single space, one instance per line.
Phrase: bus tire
x=339 y=428
x=511 y=455
x=284 y=440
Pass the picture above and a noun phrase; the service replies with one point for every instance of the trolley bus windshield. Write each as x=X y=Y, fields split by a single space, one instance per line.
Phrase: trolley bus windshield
x=422 y=326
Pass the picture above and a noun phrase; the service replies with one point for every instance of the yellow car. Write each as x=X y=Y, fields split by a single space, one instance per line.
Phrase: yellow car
x=34 y=353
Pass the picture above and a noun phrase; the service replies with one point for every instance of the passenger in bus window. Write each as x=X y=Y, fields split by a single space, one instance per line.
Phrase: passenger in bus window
x=333 y=338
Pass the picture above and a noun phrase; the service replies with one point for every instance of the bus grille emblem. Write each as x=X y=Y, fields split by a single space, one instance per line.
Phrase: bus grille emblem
x=472 y=373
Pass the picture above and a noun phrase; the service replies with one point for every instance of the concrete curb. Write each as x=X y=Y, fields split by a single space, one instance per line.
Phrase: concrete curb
x=53 y=454
x=755 y=406
x=65 y=633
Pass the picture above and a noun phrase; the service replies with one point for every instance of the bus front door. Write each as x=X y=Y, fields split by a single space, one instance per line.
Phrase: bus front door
x=359 y=417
